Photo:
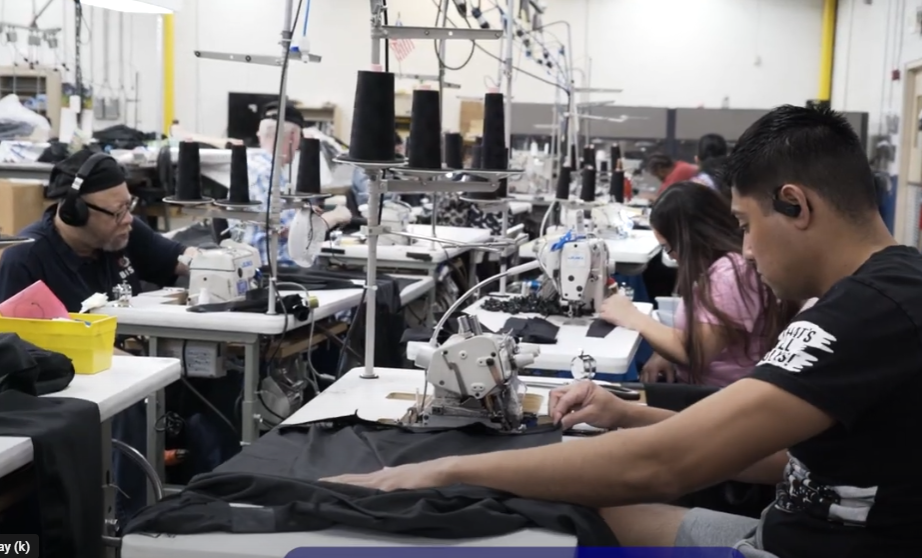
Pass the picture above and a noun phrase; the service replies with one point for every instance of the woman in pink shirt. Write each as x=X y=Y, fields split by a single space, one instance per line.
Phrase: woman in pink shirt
x=727 y=318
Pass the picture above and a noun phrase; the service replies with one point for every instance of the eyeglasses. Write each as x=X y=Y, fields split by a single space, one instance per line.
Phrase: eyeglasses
x=119 y=215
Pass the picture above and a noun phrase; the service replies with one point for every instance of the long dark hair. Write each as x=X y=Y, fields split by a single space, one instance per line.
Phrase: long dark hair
x=696 y=223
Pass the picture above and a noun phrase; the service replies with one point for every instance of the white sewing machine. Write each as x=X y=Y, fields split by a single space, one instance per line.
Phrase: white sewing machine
x=475 y=379
x=612 y=221
x=577 y=265
x=395 y=216
x=222 y=274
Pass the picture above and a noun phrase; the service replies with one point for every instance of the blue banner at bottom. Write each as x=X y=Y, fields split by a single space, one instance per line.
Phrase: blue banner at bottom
x=508 y=552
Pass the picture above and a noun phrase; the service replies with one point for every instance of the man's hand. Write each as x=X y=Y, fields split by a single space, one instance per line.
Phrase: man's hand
x=656 y=367
x=620 y=311
x=586 y=402
x=429 y=474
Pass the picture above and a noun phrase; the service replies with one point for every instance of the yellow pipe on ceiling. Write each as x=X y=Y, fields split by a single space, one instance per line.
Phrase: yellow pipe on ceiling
x=827 y=49
x=169 y=73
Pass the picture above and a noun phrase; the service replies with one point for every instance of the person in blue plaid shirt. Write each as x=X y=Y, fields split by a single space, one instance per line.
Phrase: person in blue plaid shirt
x=259 y=166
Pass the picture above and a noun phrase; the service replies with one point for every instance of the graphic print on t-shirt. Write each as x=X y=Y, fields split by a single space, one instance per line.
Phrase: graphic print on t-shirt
x=791 y=352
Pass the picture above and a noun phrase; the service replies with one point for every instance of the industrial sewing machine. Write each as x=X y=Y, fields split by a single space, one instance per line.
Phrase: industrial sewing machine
x=223 y=274
x=577 y=265
x=475 y=379
x=612 y=221
x=395 y=216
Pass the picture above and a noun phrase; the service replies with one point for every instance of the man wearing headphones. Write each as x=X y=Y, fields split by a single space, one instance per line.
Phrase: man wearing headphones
x=89 y=243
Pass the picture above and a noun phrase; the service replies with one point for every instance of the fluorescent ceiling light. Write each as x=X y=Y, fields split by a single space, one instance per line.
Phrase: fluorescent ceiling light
x=136 y=6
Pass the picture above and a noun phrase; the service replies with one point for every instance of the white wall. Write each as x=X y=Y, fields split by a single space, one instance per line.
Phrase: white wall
x=138 y=54
x=872 y=40
x=677 y=53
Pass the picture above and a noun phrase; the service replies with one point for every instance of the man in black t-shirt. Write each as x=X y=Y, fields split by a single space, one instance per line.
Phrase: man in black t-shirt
x=830 y=414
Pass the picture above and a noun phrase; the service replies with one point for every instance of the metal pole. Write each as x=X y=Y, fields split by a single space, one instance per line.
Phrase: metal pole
x=507 y=99
x=275 y=191
x=443 y=14
x=371 y=283
x=161 y=74
x=376 y=8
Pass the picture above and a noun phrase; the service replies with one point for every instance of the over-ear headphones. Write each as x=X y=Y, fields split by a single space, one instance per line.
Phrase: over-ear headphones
x=73 y=210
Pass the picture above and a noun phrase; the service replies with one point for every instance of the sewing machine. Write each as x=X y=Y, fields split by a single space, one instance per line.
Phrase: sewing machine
x=578 y=266
x=223 y=274
x=475 y=379
x=395 y=216
x=611 y=221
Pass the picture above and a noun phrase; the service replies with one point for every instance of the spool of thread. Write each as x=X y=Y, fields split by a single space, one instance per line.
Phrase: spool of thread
x=589 y=157
x=494 y=132
x=425 y=131
x=615 y=153
x=454 y=150
x=603 y=167
x=373 y=120
x=189 y=175
x=239 y=191
x=574 y=162
x=563 y=183
x=477 y=156
x=587 y=191
x=308 y=167
x=616 y=187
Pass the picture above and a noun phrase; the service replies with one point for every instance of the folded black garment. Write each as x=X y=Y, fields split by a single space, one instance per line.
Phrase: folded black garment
x=30 y=369
x=256 y=302
x=599 y=328
x=279 y=473
x=532 y=330
x=424 y=333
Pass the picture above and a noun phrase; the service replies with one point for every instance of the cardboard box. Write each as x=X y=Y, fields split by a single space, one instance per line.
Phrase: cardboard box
x=21 y=204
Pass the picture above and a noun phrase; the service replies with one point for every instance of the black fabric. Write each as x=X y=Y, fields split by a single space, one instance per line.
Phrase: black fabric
x=120 y=136
x=106 y=174
x=149 y=257
x=30 y=369
x=855 y=355
x=599 y=328
x=256 y=302
x=67 y=458
x=532 y=330
x=280 y=471
x=676 y=397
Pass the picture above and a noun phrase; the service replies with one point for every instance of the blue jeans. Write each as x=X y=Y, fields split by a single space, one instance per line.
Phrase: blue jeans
x=129 y=427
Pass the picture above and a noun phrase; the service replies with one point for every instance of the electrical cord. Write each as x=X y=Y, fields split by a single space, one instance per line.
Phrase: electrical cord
x=348 y=337
x=438 y=54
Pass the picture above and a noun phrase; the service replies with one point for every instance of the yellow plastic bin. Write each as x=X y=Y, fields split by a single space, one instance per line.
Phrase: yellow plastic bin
x=87 y=342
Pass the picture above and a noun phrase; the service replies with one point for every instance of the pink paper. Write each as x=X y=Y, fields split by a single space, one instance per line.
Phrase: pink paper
x=35 y=302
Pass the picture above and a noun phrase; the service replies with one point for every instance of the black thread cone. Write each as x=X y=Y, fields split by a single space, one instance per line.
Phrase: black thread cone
x=563 y=183
x=454 y=150
x=587 y=191
x=603 y=166
x=239 y=191
x=477 y=163
x=574 y=162
x=589 y=157
x=615 y=154
x=494 y=132
x=616 y=188
x=477 y=156
x=308 y=167
x=373 y=120
x=189 y=175
x=425 y=131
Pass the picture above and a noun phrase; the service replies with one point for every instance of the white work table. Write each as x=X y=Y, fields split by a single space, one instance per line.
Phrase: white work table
x=369 y=399
x=638 y=249
x=613 y=353
x=157 y=316
x=420 y=254
x=129 y=380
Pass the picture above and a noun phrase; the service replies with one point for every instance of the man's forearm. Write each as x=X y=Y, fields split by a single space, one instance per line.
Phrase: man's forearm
x=641 y=415
x=614 y=469
x=767 y=471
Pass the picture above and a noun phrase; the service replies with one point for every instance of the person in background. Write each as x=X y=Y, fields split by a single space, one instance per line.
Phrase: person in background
x=711 y=157
x=78 y=260
x=259 y=166
x=360 y=177
x=669 y=171
x=727 y=319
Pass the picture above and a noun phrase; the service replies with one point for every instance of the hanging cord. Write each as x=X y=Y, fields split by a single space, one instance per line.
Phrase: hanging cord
x=438 y=53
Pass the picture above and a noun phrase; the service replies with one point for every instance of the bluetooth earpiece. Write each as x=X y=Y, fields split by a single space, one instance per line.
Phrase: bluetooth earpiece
x=785 y=208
